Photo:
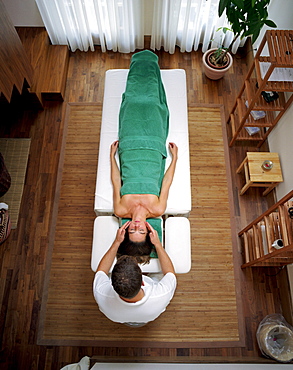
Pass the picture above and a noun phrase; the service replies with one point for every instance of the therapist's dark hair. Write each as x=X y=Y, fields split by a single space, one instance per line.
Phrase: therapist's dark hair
x=126 y=277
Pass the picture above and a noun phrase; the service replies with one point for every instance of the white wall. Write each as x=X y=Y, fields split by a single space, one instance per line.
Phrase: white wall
x=281 y=12
x=281 y=141
x=281 y=138
x=148 y=16
x=26 y=13
x=23 y=13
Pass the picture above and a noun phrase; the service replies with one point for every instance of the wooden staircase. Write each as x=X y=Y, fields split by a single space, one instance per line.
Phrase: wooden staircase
x=16 y=73
x=259 y=236
x=265 y=74
x=50 y=64
x=36 y=71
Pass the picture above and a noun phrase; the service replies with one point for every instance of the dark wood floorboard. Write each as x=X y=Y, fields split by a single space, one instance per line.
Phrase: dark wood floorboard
x=23 y=258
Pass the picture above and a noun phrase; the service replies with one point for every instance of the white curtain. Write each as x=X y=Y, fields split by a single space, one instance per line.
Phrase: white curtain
x=114 y=24
x=188 y=23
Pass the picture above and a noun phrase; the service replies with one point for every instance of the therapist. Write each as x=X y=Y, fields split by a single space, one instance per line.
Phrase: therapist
x=128 y=296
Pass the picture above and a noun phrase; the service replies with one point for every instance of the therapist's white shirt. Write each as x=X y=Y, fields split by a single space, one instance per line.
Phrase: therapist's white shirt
x=157 y=296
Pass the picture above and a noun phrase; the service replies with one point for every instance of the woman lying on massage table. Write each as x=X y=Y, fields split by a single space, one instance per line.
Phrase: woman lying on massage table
x=141 y=186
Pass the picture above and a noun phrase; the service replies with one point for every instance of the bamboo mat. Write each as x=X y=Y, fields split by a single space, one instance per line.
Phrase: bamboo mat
x=203 y=312
x=15 y=153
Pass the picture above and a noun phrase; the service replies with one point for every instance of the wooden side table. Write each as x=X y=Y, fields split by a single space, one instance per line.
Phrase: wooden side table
x=256 y=176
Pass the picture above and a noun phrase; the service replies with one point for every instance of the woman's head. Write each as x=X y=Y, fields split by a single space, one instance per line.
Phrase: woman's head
x=136 y=243
x=137 y=231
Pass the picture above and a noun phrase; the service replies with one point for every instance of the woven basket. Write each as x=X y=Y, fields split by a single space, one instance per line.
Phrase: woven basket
x=276 y=341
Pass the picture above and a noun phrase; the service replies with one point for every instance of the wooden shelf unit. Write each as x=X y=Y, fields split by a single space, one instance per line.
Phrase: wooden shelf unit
x=260 y=234
x=279 y=45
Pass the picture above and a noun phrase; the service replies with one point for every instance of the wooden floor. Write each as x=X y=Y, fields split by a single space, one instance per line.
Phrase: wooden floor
x=206 y=309
x=25 y=255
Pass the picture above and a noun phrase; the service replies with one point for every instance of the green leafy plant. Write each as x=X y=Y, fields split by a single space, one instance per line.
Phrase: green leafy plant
x=246 y=18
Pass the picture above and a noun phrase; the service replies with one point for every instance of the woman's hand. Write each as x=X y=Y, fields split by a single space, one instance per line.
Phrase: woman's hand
x=113 y=149
x=154 y=237
x=173 y=150
x=120 y=235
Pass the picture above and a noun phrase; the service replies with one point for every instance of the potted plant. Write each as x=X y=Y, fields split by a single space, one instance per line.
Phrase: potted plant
x=246 y=18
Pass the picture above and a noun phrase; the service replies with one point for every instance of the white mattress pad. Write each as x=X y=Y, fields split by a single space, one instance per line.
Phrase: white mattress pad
x=174 y=80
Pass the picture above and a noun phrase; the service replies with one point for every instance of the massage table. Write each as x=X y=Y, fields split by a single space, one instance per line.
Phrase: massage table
x=175 y=224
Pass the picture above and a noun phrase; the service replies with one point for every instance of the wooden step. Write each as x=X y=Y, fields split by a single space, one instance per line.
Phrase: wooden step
x=243 y=135
x=280 y=47
x=53 y=80
x=36 y=52
x=246 y=119
x=50 y=64
x=16 y=70
x=251 y=90
x=281 y=86
x=267 y=121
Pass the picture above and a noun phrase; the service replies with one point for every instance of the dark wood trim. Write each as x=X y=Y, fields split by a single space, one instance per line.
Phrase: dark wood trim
x=182 y=360
x=51 y=236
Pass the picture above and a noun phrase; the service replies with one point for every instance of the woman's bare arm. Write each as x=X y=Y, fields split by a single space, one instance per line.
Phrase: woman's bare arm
x=168 y=178
x=115 y=175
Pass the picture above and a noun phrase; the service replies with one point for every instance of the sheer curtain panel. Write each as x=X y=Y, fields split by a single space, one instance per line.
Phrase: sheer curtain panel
x=188 y=23
x=114 y=24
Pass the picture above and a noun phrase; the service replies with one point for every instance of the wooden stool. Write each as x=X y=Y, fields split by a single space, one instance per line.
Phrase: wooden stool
x=256 y=176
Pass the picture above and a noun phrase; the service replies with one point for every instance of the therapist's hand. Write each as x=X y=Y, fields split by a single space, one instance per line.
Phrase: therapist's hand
x=120 y=235
x=154 y=237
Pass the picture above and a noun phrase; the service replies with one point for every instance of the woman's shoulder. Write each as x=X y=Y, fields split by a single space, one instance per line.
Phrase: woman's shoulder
x=129 y=202
x=158 y=209
x=121 y=210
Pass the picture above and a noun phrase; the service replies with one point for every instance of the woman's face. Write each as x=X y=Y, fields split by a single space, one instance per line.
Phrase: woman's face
x=137 y=231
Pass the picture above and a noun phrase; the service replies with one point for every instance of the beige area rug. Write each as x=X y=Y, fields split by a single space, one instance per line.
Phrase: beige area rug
x=15 y=153
x=203 y=312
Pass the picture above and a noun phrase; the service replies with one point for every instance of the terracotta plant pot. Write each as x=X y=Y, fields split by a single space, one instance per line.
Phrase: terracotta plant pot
x=213 y=72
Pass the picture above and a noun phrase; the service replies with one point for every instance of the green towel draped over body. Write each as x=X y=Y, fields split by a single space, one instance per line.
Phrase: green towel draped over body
x=143 y=127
